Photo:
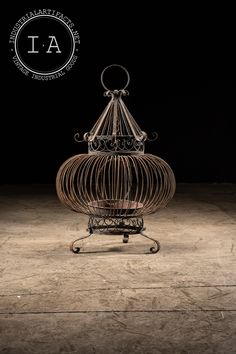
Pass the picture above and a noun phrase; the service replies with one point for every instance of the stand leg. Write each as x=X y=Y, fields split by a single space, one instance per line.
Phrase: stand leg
x=157 y=245
x=77 y=249
x=126 y=238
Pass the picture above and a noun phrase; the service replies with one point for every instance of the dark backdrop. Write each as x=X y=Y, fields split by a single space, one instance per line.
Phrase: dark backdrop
x=180 y=65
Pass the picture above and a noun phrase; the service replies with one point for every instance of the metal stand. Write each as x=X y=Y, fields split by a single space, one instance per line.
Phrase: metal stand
x=115 y=226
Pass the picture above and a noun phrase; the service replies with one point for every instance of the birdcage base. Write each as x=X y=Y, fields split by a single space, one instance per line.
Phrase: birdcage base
x=116 y=226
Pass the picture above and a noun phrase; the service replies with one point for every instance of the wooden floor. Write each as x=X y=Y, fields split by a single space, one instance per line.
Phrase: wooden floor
x=116 y=297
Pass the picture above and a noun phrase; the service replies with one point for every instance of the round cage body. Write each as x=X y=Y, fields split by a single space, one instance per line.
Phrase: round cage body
x=115 y=186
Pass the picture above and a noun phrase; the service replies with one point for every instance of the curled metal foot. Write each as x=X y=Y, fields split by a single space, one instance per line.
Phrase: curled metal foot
x=156 y=247
x=77 y=249
x=126 y=238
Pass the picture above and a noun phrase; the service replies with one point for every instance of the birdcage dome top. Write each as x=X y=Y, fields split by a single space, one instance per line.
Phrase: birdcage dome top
x=116 y=130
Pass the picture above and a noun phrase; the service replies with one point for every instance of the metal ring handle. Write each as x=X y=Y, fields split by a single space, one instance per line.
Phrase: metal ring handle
x=110 y=66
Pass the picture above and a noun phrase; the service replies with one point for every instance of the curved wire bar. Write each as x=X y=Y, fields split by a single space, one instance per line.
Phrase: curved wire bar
x=77 y=249
x=156 y=247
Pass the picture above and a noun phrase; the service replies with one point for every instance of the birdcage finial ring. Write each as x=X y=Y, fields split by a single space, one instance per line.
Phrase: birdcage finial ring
x=110 y=66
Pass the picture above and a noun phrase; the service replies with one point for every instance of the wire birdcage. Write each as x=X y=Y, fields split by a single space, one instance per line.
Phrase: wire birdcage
x=116 y=183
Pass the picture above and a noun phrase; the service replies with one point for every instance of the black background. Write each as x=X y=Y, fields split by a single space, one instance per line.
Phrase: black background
x=180 y=64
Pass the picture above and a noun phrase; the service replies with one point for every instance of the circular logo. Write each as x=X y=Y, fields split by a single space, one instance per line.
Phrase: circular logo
x=45 y=44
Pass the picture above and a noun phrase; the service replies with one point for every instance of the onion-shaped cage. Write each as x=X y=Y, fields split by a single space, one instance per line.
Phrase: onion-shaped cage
x=116 y=183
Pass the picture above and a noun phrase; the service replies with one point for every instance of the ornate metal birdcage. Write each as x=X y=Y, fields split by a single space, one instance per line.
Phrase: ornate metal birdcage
x=116 y=183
